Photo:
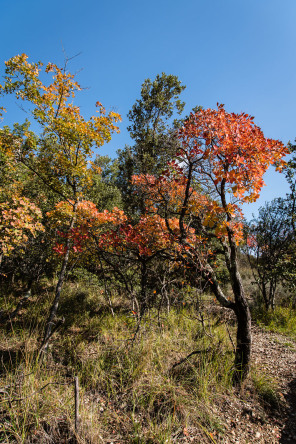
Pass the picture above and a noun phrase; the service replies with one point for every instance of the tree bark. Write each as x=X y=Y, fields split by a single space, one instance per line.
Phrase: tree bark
x=55 y=304
x=243 y=316
x=243 y=340
x=241 y=309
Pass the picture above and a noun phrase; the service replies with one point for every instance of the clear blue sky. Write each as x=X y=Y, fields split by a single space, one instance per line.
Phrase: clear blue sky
x=240 y=53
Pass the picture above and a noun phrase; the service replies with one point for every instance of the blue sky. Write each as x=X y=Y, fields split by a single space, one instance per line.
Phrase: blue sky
x=240 y=53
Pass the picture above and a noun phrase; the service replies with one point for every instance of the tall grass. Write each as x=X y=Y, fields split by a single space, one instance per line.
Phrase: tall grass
x=132 y=389
x=281 y=320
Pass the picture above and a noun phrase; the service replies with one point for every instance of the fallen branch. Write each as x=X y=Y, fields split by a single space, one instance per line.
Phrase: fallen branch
x=196 y=352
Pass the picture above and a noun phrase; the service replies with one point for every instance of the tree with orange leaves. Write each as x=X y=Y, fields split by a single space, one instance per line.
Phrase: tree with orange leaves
x=219 y=166
x=129 y=249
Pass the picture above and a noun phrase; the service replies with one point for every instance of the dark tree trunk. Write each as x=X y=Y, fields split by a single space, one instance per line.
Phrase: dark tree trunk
x=241 y=308
x=243 y=316
x=55 y=304
x=243 y=340
x=143 y=297
x=243 y=335
x=264 y=294
x=272 y=290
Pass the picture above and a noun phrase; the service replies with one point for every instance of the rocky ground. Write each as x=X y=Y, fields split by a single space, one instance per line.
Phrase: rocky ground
x=246 y=419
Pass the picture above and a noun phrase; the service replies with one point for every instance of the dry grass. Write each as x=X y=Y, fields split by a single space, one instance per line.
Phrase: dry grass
x=129 y=390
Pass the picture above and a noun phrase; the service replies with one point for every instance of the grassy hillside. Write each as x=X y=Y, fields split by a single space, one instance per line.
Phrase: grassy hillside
x=169 y=381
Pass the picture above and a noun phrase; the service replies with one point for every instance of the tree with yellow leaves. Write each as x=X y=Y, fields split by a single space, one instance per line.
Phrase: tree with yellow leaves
x=61 y=156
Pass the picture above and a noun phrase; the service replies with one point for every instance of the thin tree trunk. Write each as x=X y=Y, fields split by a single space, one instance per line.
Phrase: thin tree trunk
x=264 y=294
x=55 y=304
x=143 y=301
x=272 y=291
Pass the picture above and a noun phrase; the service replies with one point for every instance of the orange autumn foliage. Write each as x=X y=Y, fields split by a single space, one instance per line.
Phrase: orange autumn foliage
x=219 y=166
x=229 y=147
x=19 y=218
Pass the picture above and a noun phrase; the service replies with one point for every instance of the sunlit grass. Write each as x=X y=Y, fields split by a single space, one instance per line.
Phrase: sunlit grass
x=281 y=320
x=140 y=387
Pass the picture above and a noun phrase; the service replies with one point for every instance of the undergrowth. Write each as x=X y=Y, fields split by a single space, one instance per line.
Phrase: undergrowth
x=267 y=390
x=281 y=320
x=133 y=389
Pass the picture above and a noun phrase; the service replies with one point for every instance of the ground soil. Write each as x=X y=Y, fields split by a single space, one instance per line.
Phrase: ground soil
x=247 y=419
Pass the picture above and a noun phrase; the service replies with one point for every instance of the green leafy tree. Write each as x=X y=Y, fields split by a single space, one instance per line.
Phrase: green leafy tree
x=289 y=259
x=269 y=244
x=290 y=173
x=104 y=192
x=153 y=129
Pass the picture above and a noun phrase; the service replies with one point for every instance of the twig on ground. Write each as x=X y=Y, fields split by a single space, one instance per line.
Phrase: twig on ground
x=196 y=352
